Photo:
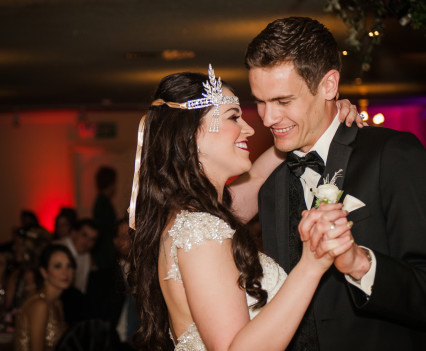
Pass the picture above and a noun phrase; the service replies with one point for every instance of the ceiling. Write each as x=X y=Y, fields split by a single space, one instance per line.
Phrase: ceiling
x=110 y=53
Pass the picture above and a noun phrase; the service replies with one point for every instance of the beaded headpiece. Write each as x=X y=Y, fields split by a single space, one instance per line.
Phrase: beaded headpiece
x=213 y=96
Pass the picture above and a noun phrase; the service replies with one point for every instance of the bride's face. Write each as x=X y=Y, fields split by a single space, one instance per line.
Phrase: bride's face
x=224 y=154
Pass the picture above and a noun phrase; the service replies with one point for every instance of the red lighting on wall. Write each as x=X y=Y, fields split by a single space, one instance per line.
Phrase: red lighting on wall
x=51 y=193
x=45 y=171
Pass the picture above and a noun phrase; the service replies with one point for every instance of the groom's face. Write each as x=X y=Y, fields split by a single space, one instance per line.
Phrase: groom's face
x=287 y=107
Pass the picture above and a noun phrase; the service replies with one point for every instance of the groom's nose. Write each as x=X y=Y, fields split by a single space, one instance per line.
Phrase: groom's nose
x=271 y=115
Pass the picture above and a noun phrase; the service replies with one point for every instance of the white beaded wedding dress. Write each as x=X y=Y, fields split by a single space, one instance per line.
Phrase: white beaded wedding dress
x=193 y=229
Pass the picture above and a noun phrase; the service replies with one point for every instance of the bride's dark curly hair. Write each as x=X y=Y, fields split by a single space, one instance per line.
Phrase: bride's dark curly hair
x=171 y=180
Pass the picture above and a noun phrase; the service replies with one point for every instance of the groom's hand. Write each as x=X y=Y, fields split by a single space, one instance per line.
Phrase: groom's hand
x=354 y=262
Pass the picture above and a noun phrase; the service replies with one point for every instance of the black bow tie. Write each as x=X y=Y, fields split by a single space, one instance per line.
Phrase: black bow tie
x=298 y=164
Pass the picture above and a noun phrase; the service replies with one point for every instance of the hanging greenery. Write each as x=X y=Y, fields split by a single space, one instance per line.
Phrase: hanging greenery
x=364 y=19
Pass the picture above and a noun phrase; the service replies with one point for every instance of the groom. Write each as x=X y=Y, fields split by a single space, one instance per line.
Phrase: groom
x=374 y=298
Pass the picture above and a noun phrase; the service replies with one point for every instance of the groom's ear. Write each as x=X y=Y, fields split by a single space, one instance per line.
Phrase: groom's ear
x=330 y=84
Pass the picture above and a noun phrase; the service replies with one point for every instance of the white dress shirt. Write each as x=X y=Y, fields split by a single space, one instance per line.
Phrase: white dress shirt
x=309 y=180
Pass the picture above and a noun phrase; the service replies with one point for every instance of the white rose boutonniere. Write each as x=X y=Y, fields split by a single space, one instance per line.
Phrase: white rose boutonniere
x=329 y=193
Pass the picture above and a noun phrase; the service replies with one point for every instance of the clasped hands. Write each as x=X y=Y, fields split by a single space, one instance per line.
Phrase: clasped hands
x=326 y=232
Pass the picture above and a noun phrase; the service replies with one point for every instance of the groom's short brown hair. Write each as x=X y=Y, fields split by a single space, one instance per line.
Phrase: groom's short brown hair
x=301 y=40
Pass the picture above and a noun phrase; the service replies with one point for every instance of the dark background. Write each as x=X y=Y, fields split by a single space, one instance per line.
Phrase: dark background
x=108 y=54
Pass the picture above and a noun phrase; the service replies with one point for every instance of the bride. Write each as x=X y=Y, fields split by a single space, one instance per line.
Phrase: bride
x=198 y=279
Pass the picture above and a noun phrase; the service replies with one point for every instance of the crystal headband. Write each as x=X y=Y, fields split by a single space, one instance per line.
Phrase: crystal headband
x=212 y=97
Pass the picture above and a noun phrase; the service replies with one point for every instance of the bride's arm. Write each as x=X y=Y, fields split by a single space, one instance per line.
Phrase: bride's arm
x=219 y=308
x=274 y=327
x=245 y=189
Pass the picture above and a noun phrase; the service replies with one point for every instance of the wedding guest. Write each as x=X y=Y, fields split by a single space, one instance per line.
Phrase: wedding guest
x=64 y=222
x=80 y=243
x=40 y=321
x=21 y=282
x=3 y=279
x=29 y=219
x=108 y=292
x=105 y=216
x=196 y=273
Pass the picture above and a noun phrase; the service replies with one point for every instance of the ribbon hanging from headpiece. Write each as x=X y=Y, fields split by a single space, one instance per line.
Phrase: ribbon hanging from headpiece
x=135 y=185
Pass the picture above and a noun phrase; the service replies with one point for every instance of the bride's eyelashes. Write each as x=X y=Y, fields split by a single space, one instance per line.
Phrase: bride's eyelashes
x=234 y=117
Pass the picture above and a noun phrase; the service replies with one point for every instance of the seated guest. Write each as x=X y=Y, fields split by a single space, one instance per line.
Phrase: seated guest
x=29 y=219
x=40 y=321
x=80 y=243
x=21 y=282
x=3 y=277
x=64 y=222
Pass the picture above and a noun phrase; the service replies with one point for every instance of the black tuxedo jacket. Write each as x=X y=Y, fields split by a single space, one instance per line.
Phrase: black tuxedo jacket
x=386 y=170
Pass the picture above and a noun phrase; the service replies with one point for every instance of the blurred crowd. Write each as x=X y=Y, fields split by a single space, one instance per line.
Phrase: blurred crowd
x=67 y=290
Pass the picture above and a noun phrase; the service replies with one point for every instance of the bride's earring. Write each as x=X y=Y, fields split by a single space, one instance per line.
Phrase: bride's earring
x=200 y=166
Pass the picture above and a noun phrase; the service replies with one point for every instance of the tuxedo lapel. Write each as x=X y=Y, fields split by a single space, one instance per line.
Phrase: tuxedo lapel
x=338 y=158
x=340 y=152
x=282 y=215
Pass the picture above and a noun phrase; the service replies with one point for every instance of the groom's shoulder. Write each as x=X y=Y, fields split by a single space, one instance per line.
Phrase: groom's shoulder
x=381 y=133
x=381 y=136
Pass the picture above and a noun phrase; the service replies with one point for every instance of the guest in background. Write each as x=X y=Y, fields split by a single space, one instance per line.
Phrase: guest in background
x=29 y=219
x=3 y=278
x=27 y=247
x=105 y=216
x=64 y=222
x=40 y=321
x=107 y=292
x=80 y=243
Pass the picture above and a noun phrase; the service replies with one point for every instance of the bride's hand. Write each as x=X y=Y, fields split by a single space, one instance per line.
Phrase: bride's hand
x=329 y=212
x=349 y=113
x=329 y=226
x=330 y=249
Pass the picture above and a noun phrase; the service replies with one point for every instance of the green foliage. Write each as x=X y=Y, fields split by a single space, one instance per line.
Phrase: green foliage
x=418 y=14
x=325 y=201
x=364 y=20
x=318 y=202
